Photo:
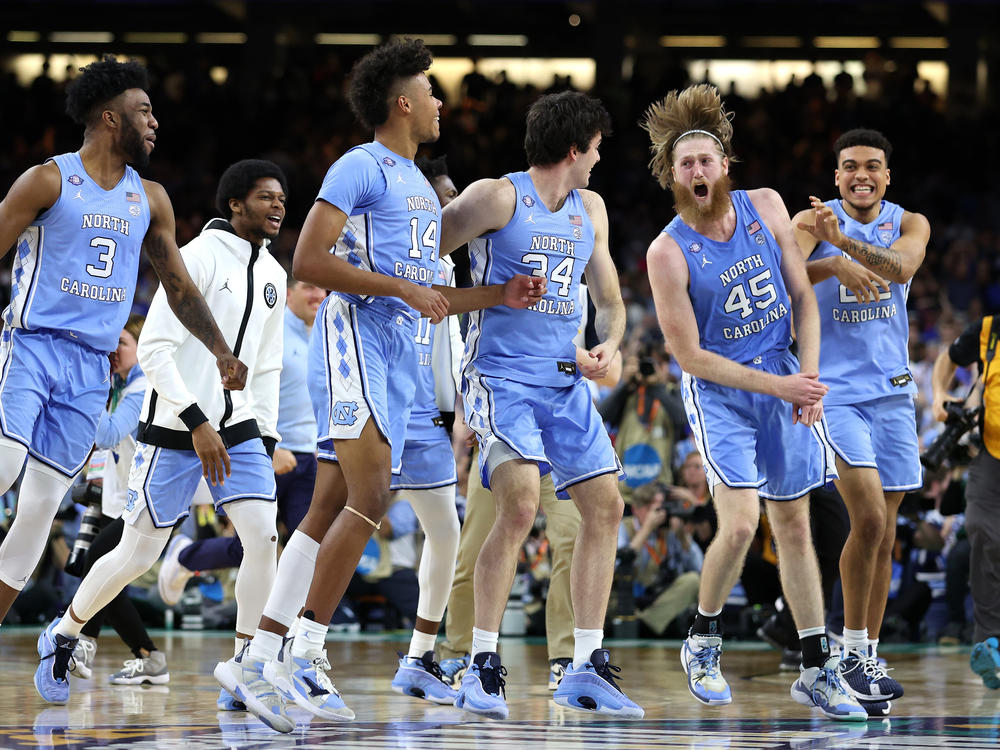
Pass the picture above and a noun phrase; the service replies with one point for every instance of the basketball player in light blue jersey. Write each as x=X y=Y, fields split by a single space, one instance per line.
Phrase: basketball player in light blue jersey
x=79 y=221
x=524 y=395
x=727 y=279
x=862 y=252
x=372 y=237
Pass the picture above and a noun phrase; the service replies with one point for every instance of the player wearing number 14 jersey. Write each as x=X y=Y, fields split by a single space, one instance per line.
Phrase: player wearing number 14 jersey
x=77 y=223
x=727 y=277
x=524 y=397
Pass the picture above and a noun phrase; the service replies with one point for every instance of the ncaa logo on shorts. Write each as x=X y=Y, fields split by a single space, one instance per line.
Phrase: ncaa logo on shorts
x=344 y=413
x=270 y=294
x=695 y=247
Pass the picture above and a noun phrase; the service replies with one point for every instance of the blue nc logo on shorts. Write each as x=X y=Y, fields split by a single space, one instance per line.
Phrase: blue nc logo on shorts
x=344 y=413
x=133 y=497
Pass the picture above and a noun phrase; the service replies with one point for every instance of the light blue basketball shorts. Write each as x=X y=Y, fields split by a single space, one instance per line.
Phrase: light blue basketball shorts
x=556 y=426
x=748 y=439
x=165 y=479
x=53 y=390
x=362 y=363
x=882 y=434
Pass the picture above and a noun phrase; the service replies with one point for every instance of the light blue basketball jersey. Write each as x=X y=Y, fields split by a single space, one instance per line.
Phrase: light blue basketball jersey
x=864 y=351
x=75 y=267
x=425 y=416
x=736 y=287
x=393 y=218
x=534 y=345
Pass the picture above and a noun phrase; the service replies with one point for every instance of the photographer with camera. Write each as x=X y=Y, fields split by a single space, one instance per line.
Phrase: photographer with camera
x=646 y=415
x=977 y=344
x=665 y=560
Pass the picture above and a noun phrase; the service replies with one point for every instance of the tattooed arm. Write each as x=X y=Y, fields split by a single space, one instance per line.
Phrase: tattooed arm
x=897 y=262
x=185 y=300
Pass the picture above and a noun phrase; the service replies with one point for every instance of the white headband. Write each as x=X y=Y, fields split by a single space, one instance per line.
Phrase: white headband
x=700 y=132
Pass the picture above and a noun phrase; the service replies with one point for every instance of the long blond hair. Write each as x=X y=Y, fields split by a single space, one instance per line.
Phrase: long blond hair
x=696 y=108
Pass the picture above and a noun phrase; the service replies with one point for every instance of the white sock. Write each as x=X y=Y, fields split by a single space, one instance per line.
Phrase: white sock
x=68 y=627
x=264 y=645
x=310 y=637
x=585 y=642
x=421 y=643
x=872 y=647
x=483 y=640
x=240 y=643
x=855 y=640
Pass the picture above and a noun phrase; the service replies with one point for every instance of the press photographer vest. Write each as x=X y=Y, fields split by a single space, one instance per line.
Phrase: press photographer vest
x=991 y=389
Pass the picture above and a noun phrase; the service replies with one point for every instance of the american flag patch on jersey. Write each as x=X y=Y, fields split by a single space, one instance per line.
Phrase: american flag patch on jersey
x=576 y=221
x=132 y=197
x=752 y=228
x=885 y=225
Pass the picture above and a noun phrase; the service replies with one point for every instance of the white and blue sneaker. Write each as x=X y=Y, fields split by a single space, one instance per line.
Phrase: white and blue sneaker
x=305 y=681
x=700 y=657
x=244 y=679
x=453 y=670
x=482 y=689
x=422 y=677
x=55 y=652
x=985 y=662
x=866 y=679
x=592 y=688
x=822 y=688
x=226 y=702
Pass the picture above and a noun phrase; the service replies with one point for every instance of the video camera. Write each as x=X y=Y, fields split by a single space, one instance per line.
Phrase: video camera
x=948 y=447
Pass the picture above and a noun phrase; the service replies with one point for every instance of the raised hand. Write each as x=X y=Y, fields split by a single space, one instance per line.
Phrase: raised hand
x=825 y=226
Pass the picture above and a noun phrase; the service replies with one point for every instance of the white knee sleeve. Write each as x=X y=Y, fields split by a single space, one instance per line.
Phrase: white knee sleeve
x=41 y=493
x=139 y=548
x=435 y=509
x=254 y=521
x=294 y=577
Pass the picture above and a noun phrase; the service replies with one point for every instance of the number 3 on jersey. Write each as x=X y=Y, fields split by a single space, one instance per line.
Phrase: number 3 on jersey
x=562 y=274
x=107 y=257
x=764 y=295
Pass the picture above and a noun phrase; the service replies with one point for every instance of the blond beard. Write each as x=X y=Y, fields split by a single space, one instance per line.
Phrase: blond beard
x=692 y=212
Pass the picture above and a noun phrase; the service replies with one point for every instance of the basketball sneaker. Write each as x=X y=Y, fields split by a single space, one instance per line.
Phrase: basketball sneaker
x=876 y=709
x=700 y=657
x=557 y=670
x=244 y=679
x=173 y=576
x=55 y=653
x=150 y=669
x=454 y=669
x=482 y=689
x=226 y=702
x=985 y=662
x=83 y=657
x=822 y=688
x=866 y=679
x=422 y=677
x=305 y=681
x=592 y=688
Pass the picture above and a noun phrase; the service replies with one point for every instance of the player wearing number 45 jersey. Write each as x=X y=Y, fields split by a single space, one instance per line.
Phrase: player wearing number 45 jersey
x=79 y=221
x=524 y=396
x=727 y=277
x=862 y=252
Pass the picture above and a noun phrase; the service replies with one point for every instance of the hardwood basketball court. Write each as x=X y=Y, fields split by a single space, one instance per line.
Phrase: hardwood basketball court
x=945 y=706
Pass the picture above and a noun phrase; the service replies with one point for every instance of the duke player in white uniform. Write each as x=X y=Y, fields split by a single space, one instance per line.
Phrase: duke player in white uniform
x=524 y=396
x=862 y=252
x=185 y=409
x=381 y=218
x=727 y=277
x=79 y=221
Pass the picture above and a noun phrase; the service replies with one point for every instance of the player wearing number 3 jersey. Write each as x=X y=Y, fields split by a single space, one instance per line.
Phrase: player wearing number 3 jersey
x=77 y=223
x=727 y=279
